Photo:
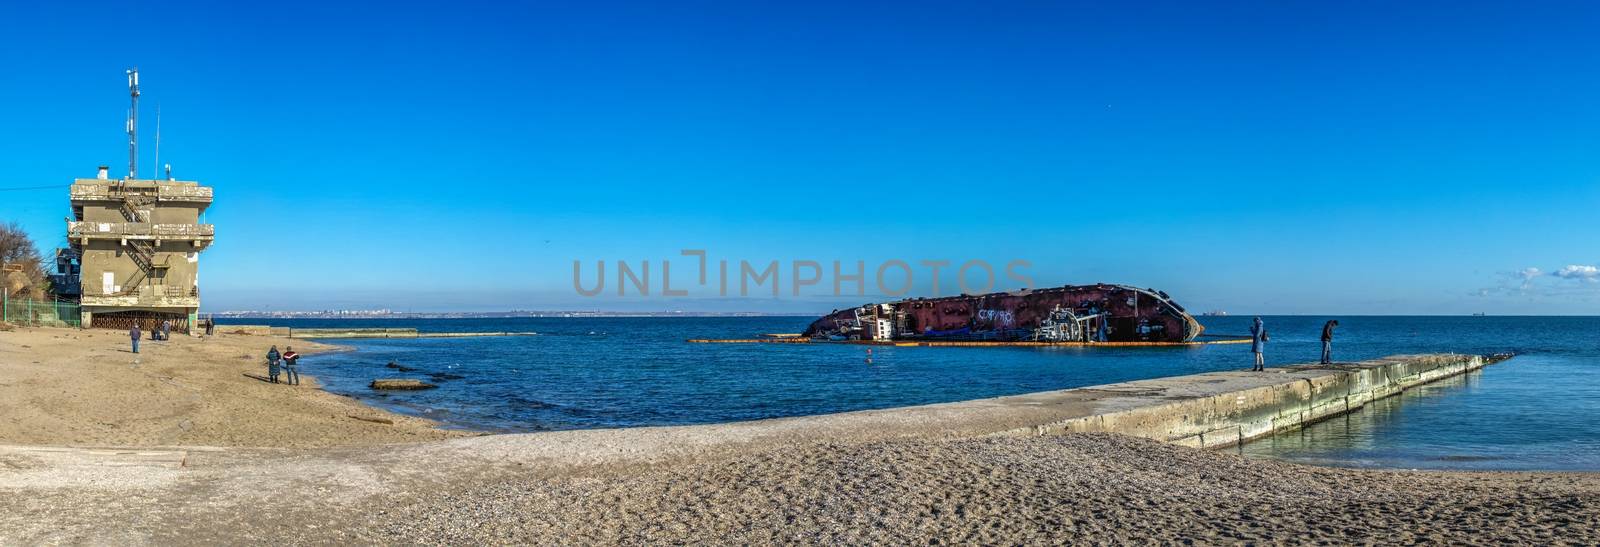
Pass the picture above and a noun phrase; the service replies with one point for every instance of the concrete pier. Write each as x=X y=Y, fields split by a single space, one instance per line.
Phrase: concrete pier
x=1221 y=409
x=1210 y=410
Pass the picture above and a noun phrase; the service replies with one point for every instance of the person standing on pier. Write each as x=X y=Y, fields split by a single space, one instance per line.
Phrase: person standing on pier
x=1258 y=343
x=1327 y=341
x=135 y=334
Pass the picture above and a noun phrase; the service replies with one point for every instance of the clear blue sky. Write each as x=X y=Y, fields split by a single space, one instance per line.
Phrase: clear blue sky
x=1260 y=157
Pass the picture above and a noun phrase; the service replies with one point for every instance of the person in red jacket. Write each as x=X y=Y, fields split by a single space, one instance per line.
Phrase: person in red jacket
x=291 y=366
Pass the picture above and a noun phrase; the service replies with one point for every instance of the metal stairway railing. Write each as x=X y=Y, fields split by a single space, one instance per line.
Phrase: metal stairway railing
x=130 y=207
x=143 y=253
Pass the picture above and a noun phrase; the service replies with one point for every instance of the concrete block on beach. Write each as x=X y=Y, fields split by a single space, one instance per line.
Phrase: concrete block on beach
x=401 y=383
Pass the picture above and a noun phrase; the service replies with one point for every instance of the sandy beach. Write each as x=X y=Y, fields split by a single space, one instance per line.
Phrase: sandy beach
x=132 y=472
x=87 y=388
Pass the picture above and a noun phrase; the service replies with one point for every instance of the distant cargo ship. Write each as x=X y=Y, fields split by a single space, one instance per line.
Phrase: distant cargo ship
x=1074 y=313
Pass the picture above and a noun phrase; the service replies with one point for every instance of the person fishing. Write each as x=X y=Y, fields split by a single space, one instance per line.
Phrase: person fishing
x=272 y=364
x=1327 y=341
x=291 y=365
x=1258 y=343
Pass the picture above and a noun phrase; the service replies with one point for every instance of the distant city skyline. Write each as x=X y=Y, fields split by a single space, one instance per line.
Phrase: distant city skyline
x=1282 y=158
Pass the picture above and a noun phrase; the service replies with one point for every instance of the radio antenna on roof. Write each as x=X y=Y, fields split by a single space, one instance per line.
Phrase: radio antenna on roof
x=133 y=123
x=158 y=136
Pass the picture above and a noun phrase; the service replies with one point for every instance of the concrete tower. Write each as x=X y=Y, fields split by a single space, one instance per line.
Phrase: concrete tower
x=140 y=242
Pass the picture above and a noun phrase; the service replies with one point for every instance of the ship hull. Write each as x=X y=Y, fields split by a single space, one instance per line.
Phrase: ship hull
x=1102 y=313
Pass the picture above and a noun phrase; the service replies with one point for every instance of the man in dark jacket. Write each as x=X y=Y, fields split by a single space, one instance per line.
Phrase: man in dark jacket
x=1327 y=341
x=135 y=334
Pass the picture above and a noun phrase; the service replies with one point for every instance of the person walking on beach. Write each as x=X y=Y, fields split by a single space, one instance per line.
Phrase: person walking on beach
x=1258 y=343
x=211 y=325
x=166 y=329
x=272 y=364
x=291 y=363
x=1327 y=341
x=135 y=334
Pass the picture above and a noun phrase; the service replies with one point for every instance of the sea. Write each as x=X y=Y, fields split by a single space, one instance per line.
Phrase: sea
x=1537 y=411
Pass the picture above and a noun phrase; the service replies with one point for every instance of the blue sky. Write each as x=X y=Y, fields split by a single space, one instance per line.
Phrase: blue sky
x=1261 y=157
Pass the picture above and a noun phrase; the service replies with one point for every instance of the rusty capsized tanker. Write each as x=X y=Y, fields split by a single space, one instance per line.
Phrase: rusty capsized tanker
x=1074 y=313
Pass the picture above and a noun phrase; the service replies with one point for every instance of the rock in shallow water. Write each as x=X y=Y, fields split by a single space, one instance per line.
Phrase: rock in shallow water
x=399 y=367
x=401 y=383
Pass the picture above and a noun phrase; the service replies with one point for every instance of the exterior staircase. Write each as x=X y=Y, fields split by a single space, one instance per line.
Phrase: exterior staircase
x=142 y=252
x=131 y=203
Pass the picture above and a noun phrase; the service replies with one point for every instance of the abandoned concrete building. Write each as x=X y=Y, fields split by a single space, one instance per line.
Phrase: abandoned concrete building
x=139 y=243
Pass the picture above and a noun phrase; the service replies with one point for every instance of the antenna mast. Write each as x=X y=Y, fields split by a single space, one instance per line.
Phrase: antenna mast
x=133 y=123
x=158 y=137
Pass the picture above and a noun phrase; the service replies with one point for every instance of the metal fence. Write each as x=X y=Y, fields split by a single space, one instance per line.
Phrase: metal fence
x=39 y=313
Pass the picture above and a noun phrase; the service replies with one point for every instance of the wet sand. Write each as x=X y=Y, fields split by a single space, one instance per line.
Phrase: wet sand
x=925 y=474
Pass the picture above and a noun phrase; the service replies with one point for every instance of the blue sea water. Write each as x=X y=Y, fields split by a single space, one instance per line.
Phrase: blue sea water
x=1536 y=411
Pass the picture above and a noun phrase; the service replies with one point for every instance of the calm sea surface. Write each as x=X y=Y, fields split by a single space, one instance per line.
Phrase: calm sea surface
x=1536 y=411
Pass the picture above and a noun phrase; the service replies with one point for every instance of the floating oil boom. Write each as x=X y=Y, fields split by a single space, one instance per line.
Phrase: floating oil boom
x=1100 y=313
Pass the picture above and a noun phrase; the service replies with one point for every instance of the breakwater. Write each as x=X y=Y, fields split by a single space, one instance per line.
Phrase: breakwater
x=1221 y=409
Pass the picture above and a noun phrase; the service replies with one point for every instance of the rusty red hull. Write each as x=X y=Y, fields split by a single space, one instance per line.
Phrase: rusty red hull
x=1113 y=313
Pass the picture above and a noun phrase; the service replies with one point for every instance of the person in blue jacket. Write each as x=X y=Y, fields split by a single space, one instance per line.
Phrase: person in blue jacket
x=1258 y=343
